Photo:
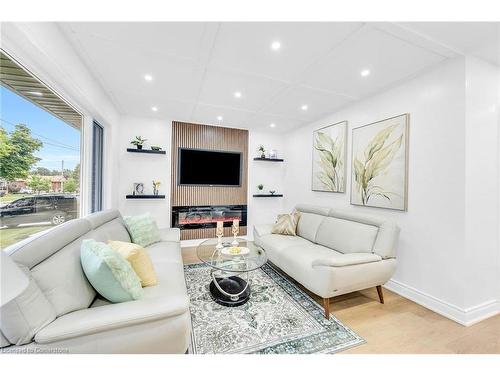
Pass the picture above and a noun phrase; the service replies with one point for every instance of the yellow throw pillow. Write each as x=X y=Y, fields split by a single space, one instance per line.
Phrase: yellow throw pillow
x=139 y=259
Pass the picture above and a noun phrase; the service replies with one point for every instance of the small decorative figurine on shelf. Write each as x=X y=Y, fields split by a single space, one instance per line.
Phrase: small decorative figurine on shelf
x=156 y=185
x=138 y=142
x=273 y=154
x=262 y=151
x=235 y=230
x=219 y=233
x=260 y=187
x=156 y=148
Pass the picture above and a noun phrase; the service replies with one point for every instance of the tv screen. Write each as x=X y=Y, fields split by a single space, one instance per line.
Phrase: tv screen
x=206 y=167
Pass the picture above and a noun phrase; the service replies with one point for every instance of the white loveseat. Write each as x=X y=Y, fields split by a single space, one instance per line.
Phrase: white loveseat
x=61 y=312
x=335 y=252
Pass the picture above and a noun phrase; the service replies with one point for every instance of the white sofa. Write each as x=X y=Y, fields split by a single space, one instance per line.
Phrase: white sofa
x=61 y=312
x=335 y=252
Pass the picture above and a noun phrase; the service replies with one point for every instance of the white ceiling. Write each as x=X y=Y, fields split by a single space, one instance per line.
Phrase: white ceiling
x=197 y=67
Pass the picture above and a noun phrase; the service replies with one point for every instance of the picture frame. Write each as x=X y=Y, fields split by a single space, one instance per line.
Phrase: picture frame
x=379 y=164
x=329 y=158
x=138 y=188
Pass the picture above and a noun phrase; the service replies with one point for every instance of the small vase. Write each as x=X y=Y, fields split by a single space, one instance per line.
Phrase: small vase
x=139 y=147
x=262 y=156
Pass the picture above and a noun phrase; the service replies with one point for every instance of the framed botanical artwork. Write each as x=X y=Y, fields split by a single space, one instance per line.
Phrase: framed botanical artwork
x=329 y=158
x=380 y=164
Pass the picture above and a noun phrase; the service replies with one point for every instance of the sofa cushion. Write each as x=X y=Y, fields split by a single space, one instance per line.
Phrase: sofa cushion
x=275 y=244
x=165 y=251
x=308 y=225
x=62 y=281
x=139 y=259
x=25 y=315
x=346 y=236
x=35 y=250
x=336 y=259
x=113 y=230
x=142 y=229
x=109 y=273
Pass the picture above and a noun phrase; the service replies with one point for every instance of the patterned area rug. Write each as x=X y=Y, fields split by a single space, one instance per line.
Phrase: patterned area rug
x=278 y=318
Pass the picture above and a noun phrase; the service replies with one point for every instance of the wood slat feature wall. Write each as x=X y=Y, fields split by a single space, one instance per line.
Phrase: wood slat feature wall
x=187 y=135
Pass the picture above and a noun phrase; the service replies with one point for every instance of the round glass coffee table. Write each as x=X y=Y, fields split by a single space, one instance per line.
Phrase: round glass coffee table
x=229 y=269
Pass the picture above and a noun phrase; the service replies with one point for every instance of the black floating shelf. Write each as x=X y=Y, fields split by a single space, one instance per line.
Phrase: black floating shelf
x=267 y=159
x=144 y=151
x=267 y=195
x=145 y=196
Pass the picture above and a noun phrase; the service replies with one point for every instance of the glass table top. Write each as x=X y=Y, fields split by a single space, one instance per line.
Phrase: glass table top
x=223 y=260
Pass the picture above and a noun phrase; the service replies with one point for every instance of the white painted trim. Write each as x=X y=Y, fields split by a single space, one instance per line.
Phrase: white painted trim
x=466 y=317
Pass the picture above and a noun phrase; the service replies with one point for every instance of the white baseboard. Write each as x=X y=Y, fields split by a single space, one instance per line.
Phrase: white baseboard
x=466 y=317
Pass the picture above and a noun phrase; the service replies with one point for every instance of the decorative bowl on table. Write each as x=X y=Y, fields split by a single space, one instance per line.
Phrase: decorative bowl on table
x=235 y=250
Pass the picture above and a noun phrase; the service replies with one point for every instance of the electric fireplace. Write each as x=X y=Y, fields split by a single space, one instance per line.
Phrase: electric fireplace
x=195 y=217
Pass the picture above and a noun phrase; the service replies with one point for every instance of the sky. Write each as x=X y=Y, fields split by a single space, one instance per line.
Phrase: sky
x=64 y=140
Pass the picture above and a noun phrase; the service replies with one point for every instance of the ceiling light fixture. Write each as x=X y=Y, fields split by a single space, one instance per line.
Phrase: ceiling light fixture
x=37 y=93
x=276 y=45
x=219 y=118
x=154 y=109
x=272 y=125
x=365 y=72
x=148 y=77
x=237 y=94
x=304 y=107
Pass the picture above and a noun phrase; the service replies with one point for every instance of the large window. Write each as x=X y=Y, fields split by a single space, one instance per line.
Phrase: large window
x=39 y=156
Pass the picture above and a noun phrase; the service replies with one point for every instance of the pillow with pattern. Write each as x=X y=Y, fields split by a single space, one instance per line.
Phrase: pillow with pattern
x=287 y=224
x=142 y=229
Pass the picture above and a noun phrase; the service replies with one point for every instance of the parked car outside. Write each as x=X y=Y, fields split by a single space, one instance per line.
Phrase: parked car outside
x=25 y=191
x=55 y=208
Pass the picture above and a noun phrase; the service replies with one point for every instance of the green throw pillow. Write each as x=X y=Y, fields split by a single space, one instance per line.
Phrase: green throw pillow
x=109 y=273
x=142 y=229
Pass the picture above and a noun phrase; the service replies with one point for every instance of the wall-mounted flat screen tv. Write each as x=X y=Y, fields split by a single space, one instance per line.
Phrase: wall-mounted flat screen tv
x=209 y=167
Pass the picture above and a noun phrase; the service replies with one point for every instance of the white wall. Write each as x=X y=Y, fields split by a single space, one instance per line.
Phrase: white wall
x=432 y=267
x=481 y=188
x=270 y=174
x=135 y=167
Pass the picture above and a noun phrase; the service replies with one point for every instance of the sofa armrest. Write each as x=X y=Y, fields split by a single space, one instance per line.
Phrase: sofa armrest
x=262 y=229
x=349 y=259
x=170 y=234
x=113 y=316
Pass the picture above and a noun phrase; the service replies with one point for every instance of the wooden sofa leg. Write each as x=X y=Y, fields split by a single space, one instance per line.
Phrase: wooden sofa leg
x=380 y=293
x=326 y=306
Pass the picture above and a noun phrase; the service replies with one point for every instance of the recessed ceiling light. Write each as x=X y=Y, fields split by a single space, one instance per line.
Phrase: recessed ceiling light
x=237 y=94
x=272 y=125
x=154 y=109
x=37 y=93
x=219 y=118
x=148 y=77
x=276 y=45
x=365 y=72
x=304 y=107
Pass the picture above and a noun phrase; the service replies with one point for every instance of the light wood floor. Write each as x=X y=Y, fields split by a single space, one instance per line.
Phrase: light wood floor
x=402 y=326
